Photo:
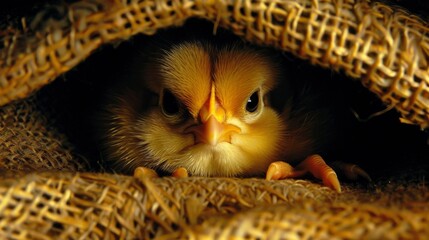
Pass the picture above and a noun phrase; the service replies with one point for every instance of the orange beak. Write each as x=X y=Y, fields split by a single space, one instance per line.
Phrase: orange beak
x=212 y=128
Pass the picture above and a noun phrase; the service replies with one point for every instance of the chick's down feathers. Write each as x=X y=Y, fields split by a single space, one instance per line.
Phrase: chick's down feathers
x=215 y=109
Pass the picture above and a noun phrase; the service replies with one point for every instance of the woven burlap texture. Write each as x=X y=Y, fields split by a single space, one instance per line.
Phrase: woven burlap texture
x=386 y=48
x=383 y=46
x=95 y=206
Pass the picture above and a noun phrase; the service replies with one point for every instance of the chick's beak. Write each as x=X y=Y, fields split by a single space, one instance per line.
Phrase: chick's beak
x=212 y=128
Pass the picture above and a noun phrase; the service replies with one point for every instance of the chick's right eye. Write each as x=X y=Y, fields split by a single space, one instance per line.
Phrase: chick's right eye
x=170 y=104
x=253 y=102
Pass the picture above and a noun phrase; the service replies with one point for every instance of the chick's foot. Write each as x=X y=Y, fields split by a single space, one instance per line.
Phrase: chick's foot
x=313 y=164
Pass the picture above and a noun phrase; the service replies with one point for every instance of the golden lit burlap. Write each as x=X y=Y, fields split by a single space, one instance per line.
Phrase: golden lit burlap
x=384 y=47
x=90 y=206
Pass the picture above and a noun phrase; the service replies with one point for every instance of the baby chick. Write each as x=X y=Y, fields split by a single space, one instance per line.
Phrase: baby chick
x=216 y=108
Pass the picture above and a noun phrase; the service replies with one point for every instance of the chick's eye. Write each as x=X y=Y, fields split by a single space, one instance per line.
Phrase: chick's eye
x=170 y=104
x=253 y=102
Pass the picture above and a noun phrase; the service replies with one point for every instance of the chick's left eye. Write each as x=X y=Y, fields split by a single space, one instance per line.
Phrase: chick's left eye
x=253 y=102
x=170 y=105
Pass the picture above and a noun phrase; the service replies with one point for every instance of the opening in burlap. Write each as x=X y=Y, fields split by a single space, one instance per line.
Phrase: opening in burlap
x=58 y=195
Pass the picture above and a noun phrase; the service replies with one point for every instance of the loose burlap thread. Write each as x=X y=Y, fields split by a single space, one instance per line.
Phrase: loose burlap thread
x=384 y=47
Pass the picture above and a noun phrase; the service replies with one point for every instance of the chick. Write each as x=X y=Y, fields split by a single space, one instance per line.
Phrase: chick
x=215 y=108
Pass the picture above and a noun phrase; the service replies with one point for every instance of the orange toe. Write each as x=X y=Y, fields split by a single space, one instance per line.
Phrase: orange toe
x=319 y=169
x=180 y=173
x=140 y=172
x=331 y=181
x=281 y=170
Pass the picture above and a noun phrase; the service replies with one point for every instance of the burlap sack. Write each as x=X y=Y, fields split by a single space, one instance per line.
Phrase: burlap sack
x=48 y=190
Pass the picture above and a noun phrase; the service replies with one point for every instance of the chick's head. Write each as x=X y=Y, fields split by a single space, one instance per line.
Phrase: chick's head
x=211 y=113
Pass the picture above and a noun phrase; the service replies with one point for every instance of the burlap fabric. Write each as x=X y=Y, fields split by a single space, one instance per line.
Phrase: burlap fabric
x=48 y=190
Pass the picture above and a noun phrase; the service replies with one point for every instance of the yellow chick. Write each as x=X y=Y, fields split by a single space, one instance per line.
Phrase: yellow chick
x=208 y=109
